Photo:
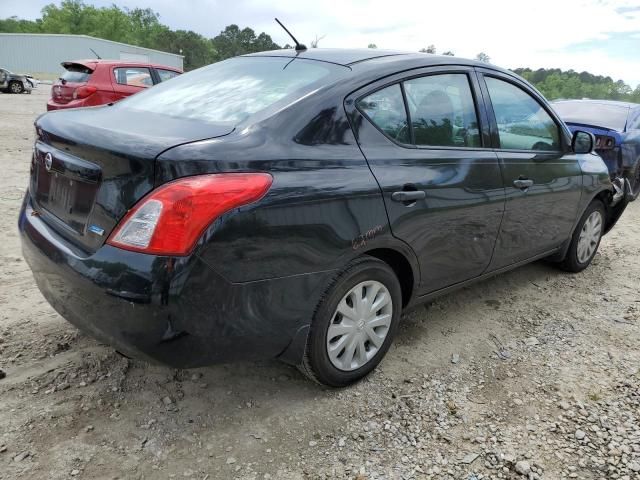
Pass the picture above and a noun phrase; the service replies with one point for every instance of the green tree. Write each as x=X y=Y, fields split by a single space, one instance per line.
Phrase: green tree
x=372 y=45
x=449 y=53
x=555 y=83
x=232 y=42
x=140 y=26
x=429 y=49
x=483 y=57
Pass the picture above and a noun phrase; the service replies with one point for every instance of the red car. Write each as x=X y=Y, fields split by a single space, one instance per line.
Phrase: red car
x=87 y=83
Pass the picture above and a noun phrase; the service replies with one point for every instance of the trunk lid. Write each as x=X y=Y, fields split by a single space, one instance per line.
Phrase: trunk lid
x=76 y=74
x=91 y=165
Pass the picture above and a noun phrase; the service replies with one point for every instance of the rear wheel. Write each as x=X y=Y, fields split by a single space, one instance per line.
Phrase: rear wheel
x=354 y=324
x=16 y=87
x=586 y=238
x=634 y=179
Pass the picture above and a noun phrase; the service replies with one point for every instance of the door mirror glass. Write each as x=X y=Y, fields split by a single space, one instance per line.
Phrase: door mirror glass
x=583 y=142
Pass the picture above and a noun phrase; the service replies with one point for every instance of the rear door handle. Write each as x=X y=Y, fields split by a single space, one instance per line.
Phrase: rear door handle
x=523 y=183
x=408 y=195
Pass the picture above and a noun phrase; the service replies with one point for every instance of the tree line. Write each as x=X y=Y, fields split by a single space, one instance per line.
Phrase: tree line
x=142 y=27
x=554 y=83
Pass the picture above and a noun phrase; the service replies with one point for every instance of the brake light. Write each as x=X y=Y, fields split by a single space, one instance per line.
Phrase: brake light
x=171 y=219
x=84 y=91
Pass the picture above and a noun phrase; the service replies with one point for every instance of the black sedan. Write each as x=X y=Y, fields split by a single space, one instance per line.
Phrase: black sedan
x=291 y=204
x=616 y=126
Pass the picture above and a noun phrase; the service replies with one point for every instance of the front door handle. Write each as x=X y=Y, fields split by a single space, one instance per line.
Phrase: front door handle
x=523 y=183
x=408 y=195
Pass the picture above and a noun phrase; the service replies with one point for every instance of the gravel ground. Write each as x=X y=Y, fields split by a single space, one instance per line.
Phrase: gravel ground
x=533 y=374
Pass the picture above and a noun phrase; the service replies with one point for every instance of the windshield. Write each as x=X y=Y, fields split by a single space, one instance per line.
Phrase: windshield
x=232 y=90
x=613 y=117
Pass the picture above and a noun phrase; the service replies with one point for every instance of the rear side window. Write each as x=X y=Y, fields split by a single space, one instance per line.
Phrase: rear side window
x=385 y=108
x=166 y=74
x=76 y=74
x=232 y=90
x=442 y=111
x=522 y=122
x=133 y=76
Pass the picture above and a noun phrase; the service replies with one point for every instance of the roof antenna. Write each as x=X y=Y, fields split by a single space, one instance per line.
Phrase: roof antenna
x=299 y=46
x=94 y=52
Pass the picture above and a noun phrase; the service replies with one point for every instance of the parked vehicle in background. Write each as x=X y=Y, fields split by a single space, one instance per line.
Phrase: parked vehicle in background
x=13 y=82
x=616 y=126
x=33 y=81
x=291 y=204
x=87 y=83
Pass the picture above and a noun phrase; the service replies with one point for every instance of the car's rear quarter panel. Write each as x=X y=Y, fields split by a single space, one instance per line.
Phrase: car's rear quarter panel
x=323 y=199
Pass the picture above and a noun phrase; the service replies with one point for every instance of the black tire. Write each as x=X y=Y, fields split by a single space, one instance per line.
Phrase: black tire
x=316 y=364
x=571 y=262
x=16 y=87
x=634 y=179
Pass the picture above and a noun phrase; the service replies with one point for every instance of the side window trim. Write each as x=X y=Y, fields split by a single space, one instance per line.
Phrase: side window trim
x=480 y=108
x=495 y=137
x=155 y=76
x=407 y=112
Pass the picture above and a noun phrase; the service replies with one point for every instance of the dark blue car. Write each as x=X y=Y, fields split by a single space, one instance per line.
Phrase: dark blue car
x=616 y=126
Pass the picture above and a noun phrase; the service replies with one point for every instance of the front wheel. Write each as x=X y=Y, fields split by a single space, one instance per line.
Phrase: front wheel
x=354 y=324
x=16 y=87
x=586 y=238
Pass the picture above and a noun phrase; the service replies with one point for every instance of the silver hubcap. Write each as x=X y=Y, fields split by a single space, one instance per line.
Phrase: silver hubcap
x=589 y=237
x=15 y=88
x=359 y=325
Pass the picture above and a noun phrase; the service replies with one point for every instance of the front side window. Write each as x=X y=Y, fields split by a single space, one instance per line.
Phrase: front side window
x=442 y=111
x=166 y=74
x=522 y=122
x=385 y=108
x=133 y=76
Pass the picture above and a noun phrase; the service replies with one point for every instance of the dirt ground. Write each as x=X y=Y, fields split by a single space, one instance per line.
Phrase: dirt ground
x=533 y=374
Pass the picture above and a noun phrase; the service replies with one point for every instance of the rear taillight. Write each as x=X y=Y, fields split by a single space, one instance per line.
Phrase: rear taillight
x=84 y=91
x=171 y=219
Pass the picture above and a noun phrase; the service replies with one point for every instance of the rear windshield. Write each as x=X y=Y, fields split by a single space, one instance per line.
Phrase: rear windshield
x=613 y=117
x=232 y=90
x=76 y=74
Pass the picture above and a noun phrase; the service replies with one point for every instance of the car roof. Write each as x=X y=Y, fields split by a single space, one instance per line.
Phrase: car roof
x=351 y=56
x=613 y=103
x=92 y=62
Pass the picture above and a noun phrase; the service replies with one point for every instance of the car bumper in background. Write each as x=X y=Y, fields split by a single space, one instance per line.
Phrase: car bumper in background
x=51 y=105
x=173 y=310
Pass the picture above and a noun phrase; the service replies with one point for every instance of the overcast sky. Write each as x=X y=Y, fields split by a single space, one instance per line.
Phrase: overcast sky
x=600 y=36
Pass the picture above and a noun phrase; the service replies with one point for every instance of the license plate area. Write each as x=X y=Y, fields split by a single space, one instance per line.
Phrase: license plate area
x=64 y=190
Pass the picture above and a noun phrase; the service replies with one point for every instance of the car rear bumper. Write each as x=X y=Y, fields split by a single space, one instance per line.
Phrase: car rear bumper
x=172 y=310
x=52 y=105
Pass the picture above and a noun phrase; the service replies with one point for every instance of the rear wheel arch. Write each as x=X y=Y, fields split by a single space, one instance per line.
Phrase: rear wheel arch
x=401 y=266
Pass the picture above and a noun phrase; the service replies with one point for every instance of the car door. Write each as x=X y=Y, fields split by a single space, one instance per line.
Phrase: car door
x=542 y=176
x=4 y=76
x=130 y=80
x=426 y=139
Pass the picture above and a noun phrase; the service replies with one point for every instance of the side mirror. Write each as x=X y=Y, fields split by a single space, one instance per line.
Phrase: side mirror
x=583 y=142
